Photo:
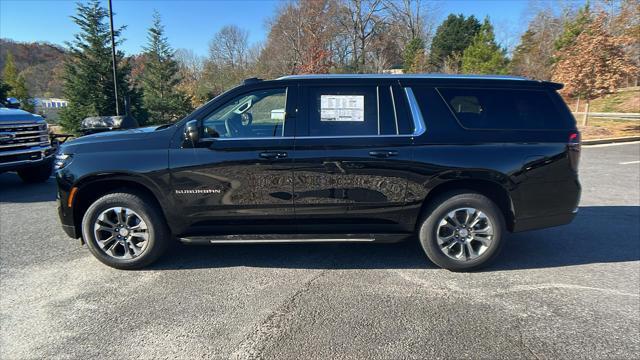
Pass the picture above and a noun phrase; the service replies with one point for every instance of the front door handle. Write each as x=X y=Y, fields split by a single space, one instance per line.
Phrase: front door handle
x=273 y=154
x=383 y=153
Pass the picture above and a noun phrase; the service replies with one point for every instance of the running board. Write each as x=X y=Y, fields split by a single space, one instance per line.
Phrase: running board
x=290 y=238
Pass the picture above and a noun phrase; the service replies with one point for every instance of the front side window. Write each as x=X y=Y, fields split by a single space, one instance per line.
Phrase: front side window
x=503 y=109
x=257 y=114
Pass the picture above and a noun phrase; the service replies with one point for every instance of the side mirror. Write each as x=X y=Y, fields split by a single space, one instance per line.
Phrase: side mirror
x=13 y=103
x=191 y=132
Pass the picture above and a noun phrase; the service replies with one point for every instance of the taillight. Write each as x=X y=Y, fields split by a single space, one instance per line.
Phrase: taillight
x=574 y=150
x=574 y=138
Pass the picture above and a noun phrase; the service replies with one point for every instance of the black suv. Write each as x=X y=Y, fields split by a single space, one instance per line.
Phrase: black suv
x=456 y=160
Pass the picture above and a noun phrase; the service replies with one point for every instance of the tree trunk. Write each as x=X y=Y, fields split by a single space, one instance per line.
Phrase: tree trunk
x=577 y=105
x=586 y=114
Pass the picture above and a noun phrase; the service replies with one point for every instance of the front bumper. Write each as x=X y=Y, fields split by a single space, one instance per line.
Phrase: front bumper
x=65 y=212
x=70 y=230
x=24 y=158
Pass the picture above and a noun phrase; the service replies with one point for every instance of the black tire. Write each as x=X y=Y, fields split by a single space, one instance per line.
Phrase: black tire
x=446 y=203
x=159 y=235
x=36 y=174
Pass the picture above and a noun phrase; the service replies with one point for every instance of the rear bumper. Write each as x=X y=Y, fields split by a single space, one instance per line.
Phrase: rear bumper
x=543 y=221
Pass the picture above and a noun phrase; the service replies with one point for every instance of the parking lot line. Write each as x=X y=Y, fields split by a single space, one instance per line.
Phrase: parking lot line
x=611 y=144
x=630 y=162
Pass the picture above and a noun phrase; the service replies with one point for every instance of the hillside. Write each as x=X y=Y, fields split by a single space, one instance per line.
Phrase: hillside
x=625 y=100
x=40 y=63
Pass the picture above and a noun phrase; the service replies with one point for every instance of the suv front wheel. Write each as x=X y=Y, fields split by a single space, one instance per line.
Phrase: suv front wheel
x=125 y=230
x=462 y=231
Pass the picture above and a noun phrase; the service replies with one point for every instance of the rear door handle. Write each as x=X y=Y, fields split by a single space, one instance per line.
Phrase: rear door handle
x=273 y=155
x=383 y=153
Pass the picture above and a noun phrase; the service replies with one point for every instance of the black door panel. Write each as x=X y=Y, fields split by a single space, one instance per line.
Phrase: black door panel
x=240 y=174
x=338 y=181
x=231 y=180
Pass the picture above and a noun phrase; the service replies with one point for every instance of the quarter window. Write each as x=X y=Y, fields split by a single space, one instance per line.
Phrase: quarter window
x=257 y=114
x=505 y=109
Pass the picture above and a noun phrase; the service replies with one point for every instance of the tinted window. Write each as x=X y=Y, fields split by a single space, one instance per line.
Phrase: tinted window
x=389 y=120
x=256 y=114
x=404 y=119
x=343 y=111
x=504 y=109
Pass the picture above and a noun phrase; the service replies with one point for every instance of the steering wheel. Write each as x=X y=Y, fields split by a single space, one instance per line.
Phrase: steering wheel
x=247 y=119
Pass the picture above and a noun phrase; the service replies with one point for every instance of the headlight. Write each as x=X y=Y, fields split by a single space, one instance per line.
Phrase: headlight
x=62 y=160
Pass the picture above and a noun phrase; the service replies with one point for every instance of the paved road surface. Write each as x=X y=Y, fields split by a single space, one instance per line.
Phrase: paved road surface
x=568 y=292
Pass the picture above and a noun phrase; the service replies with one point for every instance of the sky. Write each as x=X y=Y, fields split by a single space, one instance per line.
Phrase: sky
x=190 y=24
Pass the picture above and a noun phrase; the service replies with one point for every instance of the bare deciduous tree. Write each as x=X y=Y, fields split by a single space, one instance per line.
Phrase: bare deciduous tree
x=533 y=57
x=362 y=19
x=190 y=67
x=229 y=47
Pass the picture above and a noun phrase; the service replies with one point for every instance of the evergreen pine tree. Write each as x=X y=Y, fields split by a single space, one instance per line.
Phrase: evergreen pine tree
x=4 y=91
x=452 y=37
x=574 y=27
x=17 y=84
x=88 y=74
x=484 y=55
x=414 y=56
x=161 y=97
x=10 y=72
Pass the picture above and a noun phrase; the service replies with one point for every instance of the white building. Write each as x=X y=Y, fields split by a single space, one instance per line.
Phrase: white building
x=51 y=103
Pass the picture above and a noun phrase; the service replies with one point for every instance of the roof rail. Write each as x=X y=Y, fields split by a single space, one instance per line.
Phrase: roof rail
x=403 y=76
x=252 y=80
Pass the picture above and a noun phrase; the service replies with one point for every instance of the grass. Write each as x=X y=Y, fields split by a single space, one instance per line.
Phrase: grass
x=626 y=101
x=599 y=128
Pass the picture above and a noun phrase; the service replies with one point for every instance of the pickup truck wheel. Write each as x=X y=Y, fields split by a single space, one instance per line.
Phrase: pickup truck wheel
x=125 y=230
x=37 y=174
x=462 y=231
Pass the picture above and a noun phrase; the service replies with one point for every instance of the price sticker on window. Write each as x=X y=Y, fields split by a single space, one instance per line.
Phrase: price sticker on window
x=342 y=108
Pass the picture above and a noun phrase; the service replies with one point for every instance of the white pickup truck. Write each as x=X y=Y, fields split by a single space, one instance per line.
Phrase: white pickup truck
x=25 y=145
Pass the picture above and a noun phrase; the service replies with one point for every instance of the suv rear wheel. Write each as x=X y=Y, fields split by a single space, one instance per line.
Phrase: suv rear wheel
x=462 y=231
x=125 y=230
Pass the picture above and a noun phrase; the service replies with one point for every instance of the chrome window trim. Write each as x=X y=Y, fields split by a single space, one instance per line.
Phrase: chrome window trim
x=395 y=113
x=416 y=114
x=378 y=107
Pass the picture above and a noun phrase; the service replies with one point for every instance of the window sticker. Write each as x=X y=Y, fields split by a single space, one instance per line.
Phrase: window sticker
x=342 y=108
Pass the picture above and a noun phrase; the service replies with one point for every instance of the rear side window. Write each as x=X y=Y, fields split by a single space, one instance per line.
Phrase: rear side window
x=504 y=109
x=342 y=111
x=351 y=111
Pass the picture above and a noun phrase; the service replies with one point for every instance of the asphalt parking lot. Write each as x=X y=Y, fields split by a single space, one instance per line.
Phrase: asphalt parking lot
x=568 y=292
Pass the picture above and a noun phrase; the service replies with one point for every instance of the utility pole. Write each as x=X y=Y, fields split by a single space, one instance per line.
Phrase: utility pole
x=113 y=58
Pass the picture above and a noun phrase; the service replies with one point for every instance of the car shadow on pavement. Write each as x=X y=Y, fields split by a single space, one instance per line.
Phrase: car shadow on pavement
x=404 y=255
x=12 y=189
x=599 y=234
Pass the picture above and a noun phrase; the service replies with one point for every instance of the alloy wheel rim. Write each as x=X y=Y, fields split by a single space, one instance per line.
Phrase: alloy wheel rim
x=121 y=233
x=464 y=234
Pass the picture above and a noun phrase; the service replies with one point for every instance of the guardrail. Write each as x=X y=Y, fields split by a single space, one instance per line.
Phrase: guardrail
x=610 y=115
